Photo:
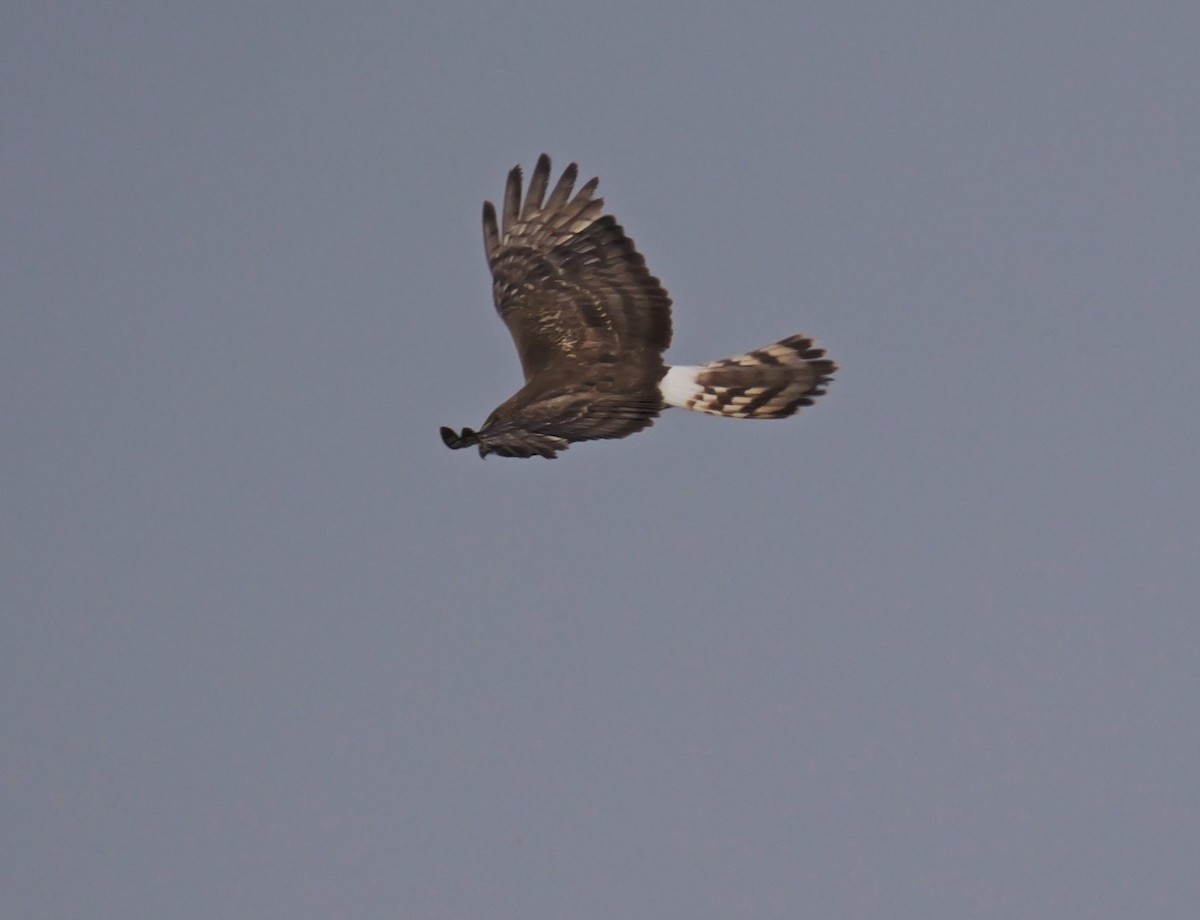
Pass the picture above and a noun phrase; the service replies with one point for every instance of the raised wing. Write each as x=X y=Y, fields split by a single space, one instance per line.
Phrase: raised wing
x=568 y=282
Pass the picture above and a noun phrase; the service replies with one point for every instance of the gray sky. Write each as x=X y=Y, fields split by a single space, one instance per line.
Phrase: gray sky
x=929 y=650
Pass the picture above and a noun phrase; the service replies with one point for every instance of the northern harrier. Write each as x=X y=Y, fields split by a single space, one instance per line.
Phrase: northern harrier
x=591 y=323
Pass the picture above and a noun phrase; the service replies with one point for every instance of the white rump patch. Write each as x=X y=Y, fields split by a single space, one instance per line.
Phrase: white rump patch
x=679 y=387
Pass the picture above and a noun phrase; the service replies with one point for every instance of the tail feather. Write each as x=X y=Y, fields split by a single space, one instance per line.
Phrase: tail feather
x=774 y=381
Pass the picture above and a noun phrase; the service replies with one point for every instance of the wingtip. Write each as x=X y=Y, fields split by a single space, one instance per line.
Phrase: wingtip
x=455 y=441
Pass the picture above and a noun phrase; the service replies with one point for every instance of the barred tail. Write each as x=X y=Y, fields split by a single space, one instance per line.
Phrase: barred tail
x=774 y=381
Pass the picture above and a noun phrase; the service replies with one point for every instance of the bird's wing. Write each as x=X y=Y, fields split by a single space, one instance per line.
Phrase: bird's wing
x=567 y=281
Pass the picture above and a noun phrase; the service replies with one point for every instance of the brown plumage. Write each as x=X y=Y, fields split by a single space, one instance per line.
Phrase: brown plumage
x=590 y=324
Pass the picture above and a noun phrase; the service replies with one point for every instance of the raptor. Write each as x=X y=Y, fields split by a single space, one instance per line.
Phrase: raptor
x=591 y=323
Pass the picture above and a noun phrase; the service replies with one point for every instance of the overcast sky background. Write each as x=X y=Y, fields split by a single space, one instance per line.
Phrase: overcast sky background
x=930 y=649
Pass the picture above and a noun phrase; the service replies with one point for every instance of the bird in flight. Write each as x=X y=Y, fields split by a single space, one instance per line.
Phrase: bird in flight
x=591 y=323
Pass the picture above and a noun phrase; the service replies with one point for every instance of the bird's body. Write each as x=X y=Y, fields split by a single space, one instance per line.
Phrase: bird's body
x=590 y=324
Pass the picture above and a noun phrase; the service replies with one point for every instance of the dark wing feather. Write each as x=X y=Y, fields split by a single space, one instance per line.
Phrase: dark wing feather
x=562 y=188
x=573 y=402
x=569 y=284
